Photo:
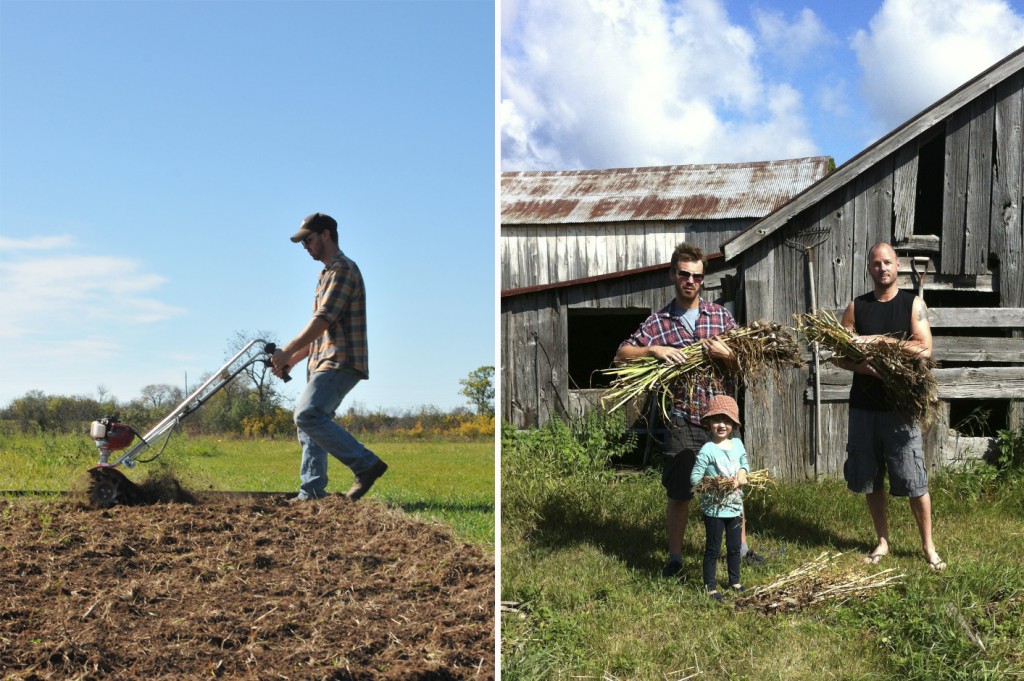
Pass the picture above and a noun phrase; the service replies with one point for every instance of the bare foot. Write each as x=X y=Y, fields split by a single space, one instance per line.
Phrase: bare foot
x=880 y=552
x=934 y=561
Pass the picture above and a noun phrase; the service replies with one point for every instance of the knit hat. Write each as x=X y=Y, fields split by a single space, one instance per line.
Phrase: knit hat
x=725 y=405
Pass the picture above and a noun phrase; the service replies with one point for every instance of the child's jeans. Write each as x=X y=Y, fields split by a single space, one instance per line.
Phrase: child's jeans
x=733 y=530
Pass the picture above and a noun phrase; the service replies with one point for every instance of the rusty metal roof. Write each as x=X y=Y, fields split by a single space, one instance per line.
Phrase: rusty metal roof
x=685 y=192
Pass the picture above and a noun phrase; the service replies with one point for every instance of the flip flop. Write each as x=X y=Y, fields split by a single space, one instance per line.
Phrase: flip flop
x=874 y=558
x=937 y=565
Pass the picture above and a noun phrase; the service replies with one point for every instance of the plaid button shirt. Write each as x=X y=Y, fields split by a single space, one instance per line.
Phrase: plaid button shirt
x=341 y=301
x=666 y=327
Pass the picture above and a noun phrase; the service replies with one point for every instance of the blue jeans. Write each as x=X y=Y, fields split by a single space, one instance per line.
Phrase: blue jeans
x=320 y=435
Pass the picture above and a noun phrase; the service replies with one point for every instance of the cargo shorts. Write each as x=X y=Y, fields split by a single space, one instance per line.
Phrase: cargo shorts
x=684 y=442
x=880 y=443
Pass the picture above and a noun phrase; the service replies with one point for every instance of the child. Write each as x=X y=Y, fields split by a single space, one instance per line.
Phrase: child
x=722 y=457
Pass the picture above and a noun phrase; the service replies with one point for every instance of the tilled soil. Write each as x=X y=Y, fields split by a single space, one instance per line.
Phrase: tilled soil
x=239 y=588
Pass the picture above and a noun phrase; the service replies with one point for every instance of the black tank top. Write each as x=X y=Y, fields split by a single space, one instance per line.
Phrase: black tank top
x=872 y=316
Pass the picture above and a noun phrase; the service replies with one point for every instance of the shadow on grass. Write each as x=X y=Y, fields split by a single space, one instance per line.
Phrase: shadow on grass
x=639 y=541
x=445 y=506
x=770 y=520
x=564 y=523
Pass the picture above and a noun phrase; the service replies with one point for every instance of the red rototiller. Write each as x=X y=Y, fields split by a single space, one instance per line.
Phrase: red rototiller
x=109 y=486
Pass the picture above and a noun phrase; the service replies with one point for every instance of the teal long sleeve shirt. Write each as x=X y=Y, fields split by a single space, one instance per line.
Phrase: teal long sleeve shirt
x=715 y=462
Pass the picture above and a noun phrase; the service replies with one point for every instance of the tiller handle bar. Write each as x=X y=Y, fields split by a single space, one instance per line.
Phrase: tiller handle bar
x=220 y=378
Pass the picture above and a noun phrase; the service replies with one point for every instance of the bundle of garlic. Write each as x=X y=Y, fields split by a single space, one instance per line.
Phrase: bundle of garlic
x=762 y=350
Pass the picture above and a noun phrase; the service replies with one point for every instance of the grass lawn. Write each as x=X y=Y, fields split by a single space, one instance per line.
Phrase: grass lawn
x=581 y=572
x=452 y=482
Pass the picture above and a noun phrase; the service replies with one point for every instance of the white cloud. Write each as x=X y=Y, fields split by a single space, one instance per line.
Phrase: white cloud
x=605 y=83
x=37 y=243
x=792 y=42
x=917 y=51
x=49 y=290
x=79 y=289
x=834 y=98
x=71 y=318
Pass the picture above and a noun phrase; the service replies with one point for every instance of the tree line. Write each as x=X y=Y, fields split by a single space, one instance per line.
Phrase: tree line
x=249 y=406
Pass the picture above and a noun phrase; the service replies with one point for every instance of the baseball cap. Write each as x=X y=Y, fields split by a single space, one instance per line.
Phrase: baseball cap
x=317 y=222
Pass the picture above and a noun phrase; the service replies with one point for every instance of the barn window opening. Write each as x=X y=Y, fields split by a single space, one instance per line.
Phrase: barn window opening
x=979 y=418
x=593 y=338
x=931 y=160
x=964 y=299
x=963 y=347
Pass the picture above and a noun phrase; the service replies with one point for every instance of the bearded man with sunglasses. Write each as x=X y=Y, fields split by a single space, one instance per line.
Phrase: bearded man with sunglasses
x=686 y=320
x=334 y=345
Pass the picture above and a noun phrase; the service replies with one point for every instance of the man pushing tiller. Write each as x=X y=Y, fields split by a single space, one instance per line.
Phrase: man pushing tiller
x=334 y=345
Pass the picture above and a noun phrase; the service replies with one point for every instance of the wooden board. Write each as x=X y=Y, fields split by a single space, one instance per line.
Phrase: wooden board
x=872 y=217
x=1001 y=383
x=986 y=317
x=904 y=194
x=1008 y=187
x=979 y=185
x=967 y=349
x=954 y=317
x=954 y=196
x=759 y=414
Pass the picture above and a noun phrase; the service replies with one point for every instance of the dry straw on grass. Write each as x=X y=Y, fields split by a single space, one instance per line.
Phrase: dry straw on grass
x=762 y=350
x=818 y=581
x=909 y=384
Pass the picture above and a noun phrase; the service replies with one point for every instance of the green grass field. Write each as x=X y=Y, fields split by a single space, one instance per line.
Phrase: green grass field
x=581 y=572
x=452 y=482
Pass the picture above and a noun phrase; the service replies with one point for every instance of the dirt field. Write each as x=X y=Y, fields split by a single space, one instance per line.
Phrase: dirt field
x=239 y=588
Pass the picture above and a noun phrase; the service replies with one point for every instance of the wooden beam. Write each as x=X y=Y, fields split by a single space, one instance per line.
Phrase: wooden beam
x=980 y=383
x=979 y=184
x=905 y=191
x=981 y=283
x=966 y=349
x=957 y=317
x=998 y=383
x=954 y=196
x=959 y=448
x=919 y=243
x=988 y=317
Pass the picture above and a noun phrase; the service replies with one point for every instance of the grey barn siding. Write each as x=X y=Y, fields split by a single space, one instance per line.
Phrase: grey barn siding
x=534 y=333
x=977 y=248
x=536 y=255
x=946 y=186
x=601 y=240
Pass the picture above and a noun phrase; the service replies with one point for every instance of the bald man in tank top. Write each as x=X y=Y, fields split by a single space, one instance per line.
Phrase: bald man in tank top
x=883 y=440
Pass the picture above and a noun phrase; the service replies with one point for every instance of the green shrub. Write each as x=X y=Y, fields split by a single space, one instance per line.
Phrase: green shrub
x=549 y=467
x=1010 y=452
x=584 y=445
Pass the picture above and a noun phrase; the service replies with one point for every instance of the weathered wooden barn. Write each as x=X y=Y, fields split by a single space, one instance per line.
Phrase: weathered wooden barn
x=584 y=259
x=944 y=188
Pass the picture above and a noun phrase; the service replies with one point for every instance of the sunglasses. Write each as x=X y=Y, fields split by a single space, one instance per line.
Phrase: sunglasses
x=683 y=275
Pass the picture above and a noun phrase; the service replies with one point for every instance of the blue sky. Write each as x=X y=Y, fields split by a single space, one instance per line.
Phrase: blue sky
x=156 y=156
x=661 y=82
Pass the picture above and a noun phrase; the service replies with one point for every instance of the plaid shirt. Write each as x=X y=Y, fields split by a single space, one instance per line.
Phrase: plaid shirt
x=666 y=327
x=340 y=301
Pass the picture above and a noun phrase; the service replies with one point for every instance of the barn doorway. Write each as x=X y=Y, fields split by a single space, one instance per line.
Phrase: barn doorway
x=593 y=338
